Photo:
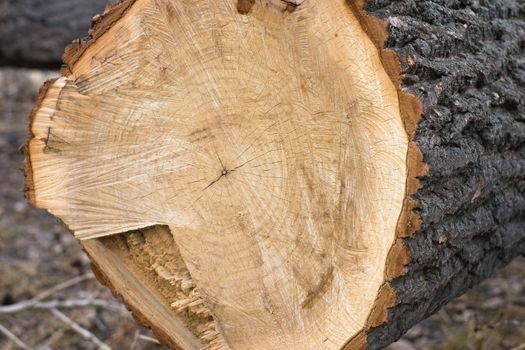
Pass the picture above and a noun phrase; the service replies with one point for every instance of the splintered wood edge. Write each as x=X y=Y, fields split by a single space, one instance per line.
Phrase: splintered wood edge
x=183 y=339
x=409 y=221
x=118 y=278
x=99 y=25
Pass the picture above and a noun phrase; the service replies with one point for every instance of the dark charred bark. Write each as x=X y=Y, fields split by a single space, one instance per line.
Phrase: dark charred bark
x=465 y=60
x=34 y=32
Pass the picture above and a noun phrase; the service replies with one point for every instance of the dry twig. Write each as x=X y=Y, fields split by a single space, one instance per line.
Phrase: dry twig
x=150 y=339
x=53 y=305
x=86 y=334
x=60 y=304
x=13 y=338
x=31 y=302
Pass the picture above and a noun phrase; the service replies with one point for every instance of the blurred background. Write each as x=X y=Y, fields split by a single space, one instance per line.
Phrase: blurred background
x=49 y=298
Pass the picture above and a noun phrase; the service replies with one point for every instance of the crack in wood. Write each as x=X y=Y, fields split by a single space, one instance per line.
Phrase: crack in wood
x=245 y=6
x=322 y=286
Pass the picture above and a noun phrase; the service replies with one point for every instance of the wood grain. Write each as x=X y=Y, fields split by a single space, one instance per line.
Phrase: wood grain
x=267 y=138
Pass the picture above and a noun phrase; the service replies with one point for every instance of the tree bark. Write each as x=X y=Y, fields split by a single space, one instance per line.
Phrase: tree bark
x=398 y=126
x=465 y=61
x=35 y=32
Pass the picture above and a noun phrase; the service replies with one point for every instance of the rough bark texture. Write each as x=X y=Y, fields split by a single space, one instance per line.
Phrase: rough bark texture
x=465 y=60
x=35 y=32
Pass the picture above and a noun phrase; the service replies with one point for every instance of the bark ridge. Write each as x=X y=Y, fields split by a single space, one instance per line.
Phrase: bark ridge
x=465 y=60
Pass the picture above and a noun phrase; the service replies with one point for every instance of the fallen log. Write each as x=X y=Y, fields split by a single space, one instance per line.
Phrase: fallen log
x=275 y=175
x=35 y=32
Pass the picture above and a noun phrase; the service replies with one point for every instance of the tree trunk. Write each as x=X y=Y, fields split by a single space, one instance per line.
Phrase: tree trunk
x=288 y=175
x=35 y=32
x=465 y=61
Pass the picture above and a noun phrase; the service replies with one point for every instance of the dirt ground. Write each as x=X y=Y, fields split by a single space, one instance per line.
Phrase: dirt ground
x=38 y=258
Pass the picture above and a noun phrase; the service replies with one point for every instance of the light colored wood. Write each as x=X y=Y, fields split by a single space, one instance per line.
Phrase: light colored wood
x=138 y=297
x=270 y=142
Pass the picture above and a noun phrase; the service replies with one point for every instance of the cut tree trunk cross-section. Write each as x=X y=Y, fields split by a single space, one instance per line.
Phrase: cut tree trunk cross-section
x=245 y=174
